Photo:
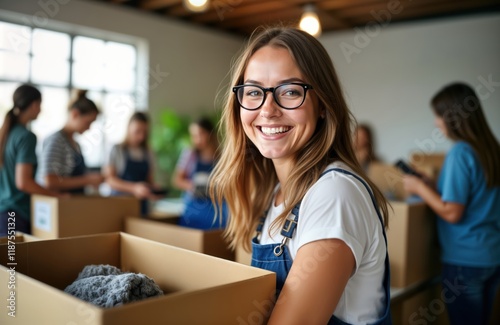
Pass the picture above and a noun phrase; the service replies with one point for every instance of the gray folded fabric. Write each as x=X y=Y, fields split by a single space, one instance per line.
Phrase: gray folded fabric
x=108 y=286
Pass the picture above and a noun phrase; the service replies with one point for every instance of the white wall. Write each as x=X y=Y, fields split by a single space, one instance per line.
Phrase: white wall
x=195 y=60
x=391 y=75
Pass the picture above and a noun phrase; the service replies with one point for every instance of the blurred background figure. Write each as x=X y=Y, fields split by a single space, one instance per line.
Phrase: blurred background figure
x=467 y=202
x=18 y=161
x=130 y=166
x=363 y=145
x=192 y=173
x=62 y=166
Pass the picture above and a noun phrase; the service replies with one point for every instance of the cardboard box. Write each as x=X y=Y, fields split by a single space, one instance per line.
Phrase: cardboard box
x=412 y=243
x=19 y=238
x=53 y=217
x=389 y=179
x=431 y=163
x=199 y=289
x=209 y=242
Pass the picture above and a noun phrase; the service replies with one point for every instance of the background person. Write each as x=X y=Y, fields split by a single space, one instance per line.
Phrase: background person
x=192 y=173
x=363 y=146
x=18 y=161
x=467 y=202
x=62 y=166
x=130 y=166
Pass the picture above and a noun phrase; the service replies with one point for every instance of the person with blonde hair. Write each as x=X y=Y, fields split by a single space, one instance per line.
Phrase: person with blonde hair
x=62 y=165
x=296 y=194
x=467 y=203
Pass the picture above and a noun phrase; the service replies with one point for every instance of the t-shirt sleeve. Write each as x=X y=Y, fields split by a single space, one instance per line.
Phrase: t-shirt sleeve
x=26 y=153
x=185 y=160
x=337 y=207
x=456 y=175
x=53 y=158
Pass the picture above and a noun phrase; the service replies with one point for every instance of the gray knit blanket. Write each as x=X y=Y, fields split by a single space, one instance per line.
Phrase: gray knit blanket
x=108 y=286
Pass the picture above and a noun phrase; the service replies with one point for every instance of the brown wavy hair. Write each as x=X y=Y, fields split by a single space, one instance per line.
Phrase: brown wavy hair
x=464 y=119
x=244 y=178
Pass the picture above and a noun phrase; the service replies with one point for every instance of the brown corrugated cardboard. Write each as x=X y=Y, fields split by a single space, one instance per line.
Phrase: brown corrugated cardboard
x=388 y=179
x=412 y=243
x=431 y=162
x=168 y=232
x=53 y=217
x=199 y=289
x=20 y=237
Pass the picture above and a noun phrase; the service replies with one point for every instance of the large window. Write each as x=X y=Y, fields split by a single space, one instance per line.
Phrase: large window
x=57 y=63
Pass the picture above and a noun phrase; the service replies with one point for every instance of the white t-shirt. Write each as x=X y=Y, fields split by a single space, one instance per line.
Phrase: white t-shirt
x=339 y=206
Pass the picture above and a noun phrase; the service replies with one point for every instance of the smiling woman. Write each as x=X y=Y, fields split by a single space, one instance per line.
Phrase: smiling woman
x=288 y=152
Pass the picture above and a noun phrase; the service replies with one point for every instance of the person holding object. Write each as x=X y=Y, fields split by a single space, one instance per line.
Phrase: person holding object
x=467 y=202
x=130 y=167
x=62 y=166
x=192 y=173
x=18 y=161
x=291 y=180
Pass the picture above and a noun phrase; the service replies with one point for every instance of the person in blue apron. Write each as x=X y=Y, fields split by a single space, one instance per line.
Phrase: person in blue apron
x=62 y=165
x=130 y=167
x=296 y=194
x=467 y=204
x=192 y=174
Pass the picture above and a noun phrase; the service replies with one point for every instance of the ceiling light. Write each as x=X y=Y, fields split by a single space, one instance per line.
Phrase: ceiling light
x=309 y=22
x=196 y=5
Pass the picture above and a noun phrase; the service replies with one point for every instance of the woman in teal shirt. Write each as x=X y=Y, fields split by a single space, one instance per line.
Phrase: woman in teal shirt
x=18 y=162
x=467 y=202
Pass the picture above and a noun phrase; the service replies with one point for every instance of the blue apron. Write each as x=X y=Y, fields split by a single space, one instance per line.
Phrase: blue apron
x=276 y=257
x=135 y=171
x=199 y=211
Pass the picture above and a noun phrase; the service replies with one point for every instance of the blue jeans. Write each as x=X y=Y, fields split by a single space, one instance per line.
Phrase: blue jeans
x=12 y=218
x=472 y=292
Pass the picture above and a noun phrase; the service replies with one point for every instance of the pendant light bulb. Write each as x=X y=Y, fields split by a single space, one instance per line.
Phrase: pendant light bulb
x=309 y=22
x=196 y=5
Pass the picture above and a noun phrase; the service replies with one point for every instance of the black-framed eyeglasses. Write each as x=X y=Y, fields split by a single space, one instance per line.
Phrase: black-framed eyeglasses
x=288 y=95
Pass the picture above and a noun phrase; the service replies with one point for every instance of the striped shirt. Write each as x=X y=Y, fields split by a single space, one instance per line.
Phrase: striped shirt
x=57 y=158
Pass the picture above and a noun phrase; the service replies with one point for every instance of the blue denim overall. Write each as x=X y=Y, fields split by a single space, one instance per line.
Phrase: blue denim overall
x=276 y=257
x=79 y=169
x=135 y=171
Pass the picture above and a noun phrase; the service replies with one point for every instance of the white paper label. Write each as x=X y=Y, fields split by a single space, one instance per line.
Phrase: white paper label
x=43 y=220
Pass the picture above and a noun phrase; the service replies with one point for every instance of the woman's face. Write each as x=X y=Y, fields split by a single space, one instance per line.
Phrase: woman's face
x=200 y=138
x=439 y=122
x=361 y=139
x=137 y=133
x=278 y=133
x=83 y=121
x=35 y=109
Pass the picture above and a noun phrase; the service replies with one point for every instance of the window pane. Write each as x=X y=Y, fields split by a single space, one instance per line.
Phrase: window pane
x=92 y=143
x=50 y=71
x=53 y=115
x=6 y=91
x=49 y=44
x=87 y=75
x=15 y=38
x=14 y=66
x=117 y=110
x=118 y=79
x=122 y=55
x=90 y=50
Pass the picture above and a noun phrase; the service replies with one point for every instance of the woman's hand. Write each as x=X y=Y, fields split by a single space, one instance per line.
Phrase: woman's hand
x=142 y=191
x=94 y=179
x=412 y=184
